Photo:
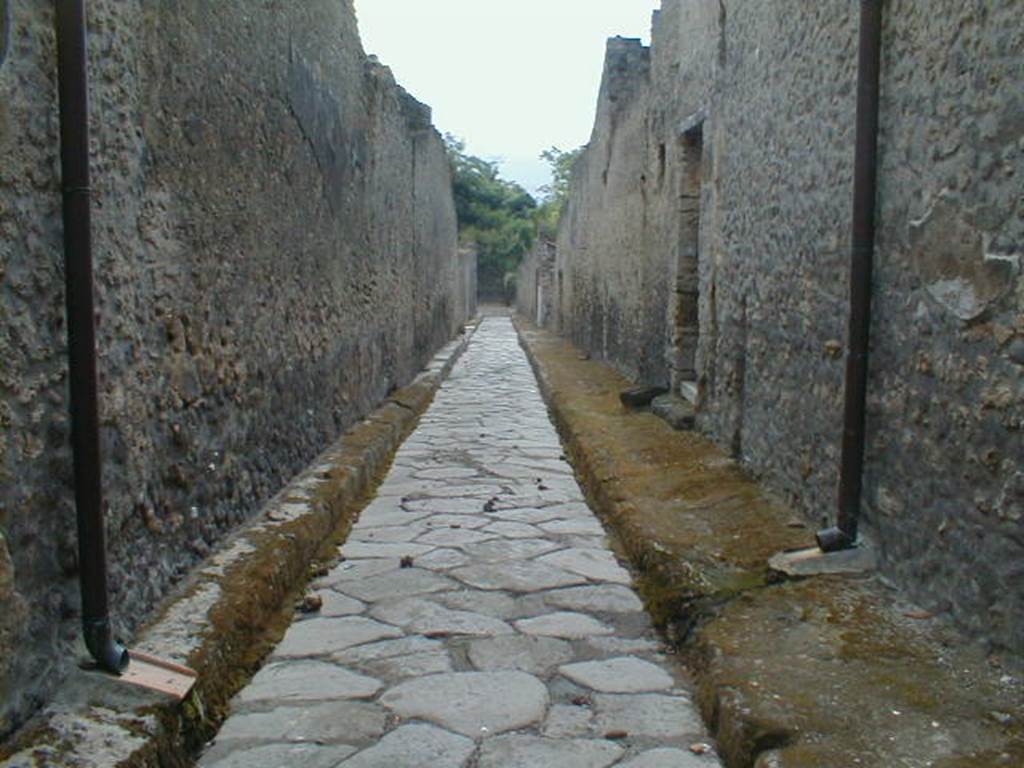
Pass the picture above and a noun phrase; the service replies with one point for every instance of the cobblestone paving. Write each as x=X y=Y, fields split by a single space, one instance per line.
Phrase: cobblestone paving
x=478 y=618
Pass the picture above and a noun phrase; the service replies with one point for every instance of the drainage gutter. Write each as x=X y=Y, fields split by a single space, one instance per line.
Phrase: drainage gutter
x=844 y=534
x=74 y=157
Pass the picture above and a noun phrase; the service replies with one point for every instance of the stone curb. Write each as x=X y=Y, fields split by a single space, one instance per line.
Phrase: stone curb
x=823 y=672
x=232 y=608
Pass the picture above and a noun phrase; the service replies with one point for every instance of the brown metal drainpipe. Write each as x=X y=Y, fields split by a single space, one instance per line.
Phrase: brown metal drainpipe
x=844 y=534
x=74 y=160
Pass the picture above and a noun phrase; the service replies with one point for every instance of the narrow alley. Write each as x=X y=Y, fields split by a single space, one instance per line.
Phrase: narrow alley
x=477 y=616
x=641 y=385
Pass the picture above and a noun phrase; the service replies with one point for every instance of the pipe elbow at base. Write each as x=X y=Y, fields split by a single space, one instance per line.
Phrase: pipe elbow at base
x=108 y=652
x=834 y=540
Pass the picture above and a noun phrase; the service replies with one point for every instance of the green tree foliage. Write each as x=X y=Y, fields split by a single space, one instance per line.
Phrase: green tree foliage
x=495 y=214
x=556 y=194
x=561 y=162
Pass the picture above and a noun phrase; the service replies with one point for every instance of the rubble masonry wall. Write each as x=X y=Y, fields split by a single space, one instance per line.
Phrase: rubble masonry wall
x=714 y=197
x=275 y=251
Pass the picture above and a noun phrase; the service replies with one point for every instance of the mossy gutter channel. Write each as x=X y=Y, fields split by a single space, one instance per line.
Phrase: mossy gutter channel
x=828 y=672
x=232 y=610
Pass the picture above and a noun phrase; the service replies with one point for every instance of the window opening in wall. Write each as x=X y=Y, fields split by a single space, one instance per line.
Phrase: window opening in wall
x=661 y=163
x=686 y=317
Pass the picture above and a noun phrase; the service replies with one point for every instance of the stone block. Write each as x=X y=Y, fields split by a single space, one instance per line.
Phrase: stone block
x=640 y=396
x=814 y=562
x=677 y=412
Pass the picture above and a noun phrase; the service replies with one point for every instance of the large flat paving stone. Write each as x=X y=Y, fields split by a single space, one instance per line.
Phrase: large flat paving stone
x=277 y=756
x=536 y=655
x=454 y=537
x=573 y=510
x=413 y=665
x=443 y=559
x=319 y=637
x=515 y=751
x=455 y=506
x=567 y=721
x=604 y=598
x=517 y=576
x=402 y=582
x=388 y=513
x=565 y=483
x=509 y=529
x=348 y=722
x=539 y=499
x=496 y=604
x=646 y=714
x=503 y=550
x=385 y=550
x=530 y=516
x=483 y=491
x=569 y=625
x=579 y=525
x=626 y=674
x=427 y=617
x=386 y=649
x=292 y=681
x=415 y=746
x=474 y=704
x=334 y=604
x=447 y=473
x=458 y=521
x=355 y=570
x=596 y=564
x=388 y=533
x=515 y=467
x=583 y=542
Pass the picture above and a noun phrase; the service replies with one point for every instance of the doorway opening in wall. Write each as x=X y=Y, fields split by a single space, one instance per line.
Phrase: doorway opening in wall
x=559 y=310
x=686 y=315
x=539 y=298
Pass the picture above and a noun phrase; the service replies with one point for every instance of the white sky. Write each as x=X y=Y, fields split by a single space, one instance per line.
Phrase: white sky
x=510 y=77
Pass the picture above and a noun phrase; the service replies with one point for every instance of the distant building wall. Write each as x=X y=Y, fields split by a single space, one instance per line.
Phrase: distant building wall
x=467 y=288
x=707 y=242
x=275 y=247
x=535 y=284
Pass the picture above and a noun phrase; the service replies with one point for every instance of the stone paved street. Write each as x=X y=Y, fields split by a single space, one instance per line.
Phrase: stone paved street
x=478 y=617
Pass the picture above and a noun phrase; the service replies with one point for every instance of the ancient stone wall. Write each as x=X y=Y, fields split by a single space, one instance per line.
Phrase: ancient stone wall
x=707 y=241
x=535 y=282
x=614 y=280
x=275 y=249
x=467 y=288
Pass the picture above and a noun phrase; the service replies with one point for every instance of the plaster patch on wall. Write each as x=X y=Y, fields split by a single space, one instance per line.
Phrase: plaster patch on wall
x=957 y=296
x=319 y=115
x=951 y=258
